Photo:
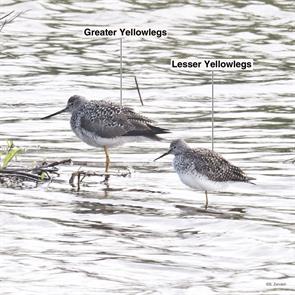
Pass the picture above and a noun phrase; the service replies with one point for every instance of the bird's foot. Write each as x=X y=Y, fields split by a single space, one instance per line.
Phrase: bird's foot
x=106 y=179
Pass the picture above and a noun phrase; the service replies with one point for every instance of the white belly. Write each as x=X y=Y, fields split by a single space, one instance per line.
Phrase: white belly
x=201 y=182
x=97 y=141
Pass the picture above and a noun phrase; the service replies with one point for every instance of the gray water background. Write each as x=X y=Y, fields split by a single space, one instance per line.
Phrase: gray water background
x=147 y=234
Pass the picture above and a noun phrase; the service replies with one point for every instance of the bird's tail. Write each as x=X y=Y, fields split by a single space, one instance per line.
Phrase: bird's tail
x=154 y=130
x=150 y=132
x=157 y=130
x=251 y=178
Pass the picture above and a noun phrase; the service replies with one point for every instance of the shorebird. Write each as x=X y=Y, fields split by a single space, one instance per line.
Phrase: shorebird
x=105 y=124
x=203 y=169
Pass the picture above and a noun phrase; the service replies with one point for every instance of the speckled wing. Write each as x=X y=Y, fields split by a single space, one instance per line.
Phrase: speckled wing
x=104 y=121
x=110 y=120
x=216 y=168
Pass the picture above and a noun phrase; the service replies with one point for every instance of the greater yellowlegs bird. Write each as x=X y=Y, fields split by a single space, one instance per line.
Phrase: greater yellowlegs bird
x=105 y=124
x=203 y=169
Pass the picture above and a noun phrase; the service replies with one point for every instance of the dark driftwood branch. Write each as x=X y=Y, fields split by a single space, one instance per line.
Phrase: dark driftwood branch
x=137 y=87
x=6 y=15
x=50 y=167
x=9 y=18
x=80 y=175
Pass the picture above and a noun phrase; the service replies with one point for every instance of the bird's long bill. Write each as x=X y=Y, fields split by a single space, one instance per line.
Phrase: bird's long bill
x=165 y=154
x=59 y=112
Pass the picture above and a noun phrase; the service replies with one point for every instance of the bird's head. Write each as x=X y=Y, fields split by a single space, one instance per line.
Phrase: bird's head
x=74 y=102
x=177 y=147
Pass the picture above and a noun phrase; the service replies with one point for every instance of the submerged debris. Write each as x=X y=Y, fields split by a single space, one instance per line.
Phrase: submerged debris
x=22 y=177
x=80 y=175
x=12 y=181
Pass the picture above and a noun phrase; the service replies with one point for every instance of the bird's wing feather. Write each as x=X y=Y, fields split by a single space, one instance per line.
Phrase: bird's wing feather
x=132 y=115
x=216 y=168
x=104 y=127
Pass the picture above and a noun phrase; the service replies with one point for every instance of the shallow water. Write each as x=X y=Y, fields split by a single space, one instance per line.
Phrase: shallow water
x=149 y=234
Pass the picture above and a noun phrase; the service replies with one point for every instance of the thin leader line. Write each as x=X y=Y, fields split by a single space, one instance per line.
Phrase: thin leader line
x=121 y=73
x=212 y=113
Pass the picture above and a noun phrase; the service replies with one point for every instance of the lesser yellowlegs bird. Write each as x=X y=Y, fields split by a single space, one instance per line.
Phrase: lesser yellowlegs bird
x=203 y=169
x=105 y=124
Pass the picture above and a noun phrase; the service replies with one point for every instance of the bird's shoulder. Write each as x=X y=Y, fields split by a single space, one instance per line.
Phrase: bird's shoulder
x=207 y=155
x=107 y=110
x=102 y=109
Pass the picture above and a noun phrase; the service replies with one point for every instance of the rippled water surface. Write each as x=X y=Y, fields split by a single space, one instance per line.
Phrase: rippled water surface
x=148 y=233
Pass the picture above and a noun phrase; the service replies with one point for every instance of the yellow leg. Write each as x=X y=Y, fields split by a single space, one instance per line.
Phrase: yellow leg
x=107 y=164
x=206 y=203
x=107 y=159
